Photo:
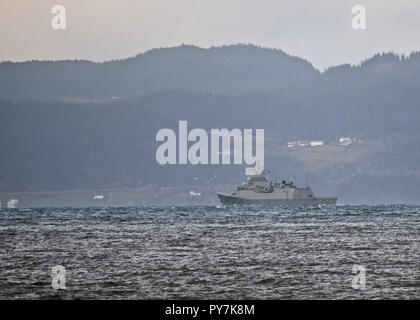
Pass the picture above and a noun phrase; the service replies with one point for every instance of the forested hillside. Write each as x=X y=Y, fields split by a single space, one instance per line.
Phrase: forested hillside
x=76 y=124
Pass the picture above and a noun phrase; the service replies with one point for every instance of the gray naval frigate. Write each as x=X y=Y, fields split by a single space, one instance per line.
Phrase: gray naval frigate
x=258 y=191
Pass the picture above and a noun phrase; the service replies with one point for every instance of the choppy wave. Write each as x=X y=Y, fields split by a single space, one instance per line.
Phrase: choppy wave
x=211 y=252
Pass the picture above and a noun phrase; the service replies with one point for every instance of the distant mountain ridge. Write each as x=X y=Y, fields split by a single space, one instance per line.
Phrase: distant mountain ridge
x=227 y=70
x=234 y=69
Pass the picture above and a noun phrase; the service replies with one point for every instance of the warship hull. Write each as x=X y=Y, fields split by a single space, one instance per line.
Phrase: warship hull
x=228 y=199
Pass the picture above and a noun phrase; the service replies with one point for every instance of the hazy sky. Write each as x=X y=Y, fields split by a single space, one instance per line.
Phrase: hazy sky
x=319 y=31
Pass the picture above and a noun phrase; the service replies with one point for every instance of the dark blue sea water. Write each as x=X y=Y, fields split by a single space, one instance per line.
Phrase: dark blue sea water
x=211 y=252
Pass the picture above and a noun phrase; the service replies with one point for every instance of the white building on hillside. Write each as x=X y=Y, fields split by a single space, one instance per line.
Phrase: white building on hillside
x=12 y=203
x=345 y=141
x=317 y=143
x=305 y=143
